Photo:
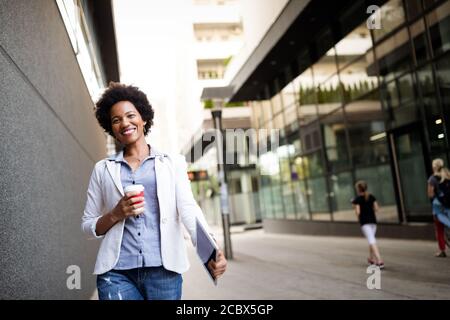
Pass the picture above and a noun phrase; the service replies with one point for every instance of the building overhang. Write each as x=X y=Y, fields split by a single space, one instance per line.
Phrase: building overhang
x=278 y=57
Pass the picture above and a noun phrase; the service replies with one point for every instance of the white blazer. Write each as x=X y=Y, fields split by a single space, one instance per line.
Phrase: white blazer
x=176 y=204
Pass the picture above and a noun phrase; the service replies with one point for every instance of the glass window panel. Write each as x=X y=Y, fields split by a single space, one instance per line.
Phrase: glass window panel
x=406 y=89
x=354 y=45
x=313 y=164
x=311 y=139
x=277 y=201
x=419 y=41
x=304 y=83
x=379 y=180
x=443 y=79
x=391 y=96
x=413 y=8
x=325 y=67
x=358 y=79
x=290 y=115
x=342 y=194
x=413 y=177
x=276 y=103
x=329 y=96
x=288 y=199
x=257 y=116
x=318 y=198
x=324 y=41
x=265 y=195
x=435 y=123
x=333 y=131
x=284 y=153
x=429 y=3
x=307 y=97
x=394 y=55
x=301 y=200
x=400 y=101
x=278 y=122
x=288 y=94
x=297 y=145
x=267 y=110
x=392 y=16
x=366 y=130
x=439 y=26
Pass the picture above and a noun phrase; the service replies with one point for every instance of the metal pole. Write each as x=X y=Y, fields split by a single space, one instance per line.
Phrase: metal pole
x=224 y=206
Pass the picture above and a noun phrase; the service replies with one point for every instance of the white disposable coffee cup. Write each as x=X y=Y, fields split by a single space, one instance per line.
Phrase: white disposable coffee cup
x=135 y=187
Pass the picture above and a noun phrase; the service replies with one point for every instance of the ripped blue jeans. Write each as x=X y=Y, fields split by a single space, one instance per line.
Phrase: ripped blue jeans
x=149 y=283
x=441 y=213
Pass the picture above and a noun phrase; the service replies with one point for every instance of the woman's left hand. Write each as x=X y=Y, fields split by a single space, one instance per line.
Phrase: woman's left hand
x=218 y=267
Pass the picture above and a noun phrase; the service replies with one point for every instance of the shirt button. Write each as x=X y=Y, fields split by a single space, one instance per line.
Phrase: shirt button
x=140 y=251
x=137 y=217
x=163 y=220
x=139 y=233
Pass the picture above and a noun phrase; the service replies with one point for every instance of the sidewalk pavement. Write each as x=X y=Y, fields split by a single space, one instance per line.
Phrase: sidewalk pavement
x=282 y=266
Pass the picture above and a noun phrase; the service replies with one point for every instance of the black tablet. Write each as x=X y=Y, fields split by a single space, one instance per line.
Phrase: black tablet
x=206 y=248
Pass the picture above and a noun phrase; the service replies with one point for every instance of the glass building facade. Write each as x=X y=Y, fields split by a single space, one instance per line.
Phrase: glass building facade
x=374 y=105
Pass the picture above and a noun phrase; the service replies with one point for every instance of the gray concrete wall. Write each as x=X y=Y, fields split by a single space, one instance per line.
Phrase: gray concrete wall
x=49 y=142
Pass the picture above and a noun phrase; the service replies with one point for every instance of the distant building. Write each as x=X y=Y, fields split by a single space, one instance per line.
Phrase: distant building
x=350 y=102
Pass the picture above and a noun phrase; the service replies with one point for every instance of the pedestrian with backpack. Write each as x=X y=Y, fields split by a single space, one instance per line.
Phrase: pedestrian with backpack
x=366 y=206
x=433 y=190
x=441 y=203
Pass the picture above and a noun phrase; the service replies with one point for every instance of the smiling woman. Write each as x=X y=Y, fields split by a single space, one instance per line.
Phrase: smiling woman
x=142 y=254
x=134 y=98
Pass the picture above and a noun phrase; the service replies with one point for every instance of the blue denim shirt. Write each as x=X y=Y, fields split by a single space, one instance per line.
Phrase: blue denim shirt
x=141 y=236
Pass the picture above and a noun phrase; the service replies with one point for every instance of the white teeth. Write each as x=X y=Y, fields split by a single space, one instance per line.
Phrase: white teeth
x=128 y=131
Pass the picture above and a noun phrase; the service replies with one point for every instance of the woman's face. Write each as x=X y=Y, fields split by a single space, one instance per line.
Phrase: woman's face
x=126 y=121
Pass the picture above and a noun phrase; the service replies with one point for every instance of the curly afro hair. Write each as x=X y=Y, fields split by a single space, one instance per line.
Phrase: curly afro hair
x=117 y=92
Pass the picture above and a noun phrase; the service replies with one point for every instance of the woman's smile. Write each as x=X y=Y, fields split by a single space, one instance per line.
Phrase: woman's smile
x=128 y=131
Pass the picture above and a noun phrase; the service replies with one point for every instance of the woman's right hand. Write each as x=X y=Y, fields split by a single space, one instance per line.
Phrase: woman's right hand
x=129 y=206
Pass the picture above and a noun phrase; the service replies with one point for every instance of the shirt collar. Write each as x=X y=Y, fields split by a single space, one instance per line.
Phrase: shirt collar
x=153 y=153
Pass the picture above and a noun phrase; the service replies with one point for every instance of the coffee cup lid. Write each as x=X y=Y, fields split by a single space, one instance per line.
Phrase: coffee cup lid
x=134 y=187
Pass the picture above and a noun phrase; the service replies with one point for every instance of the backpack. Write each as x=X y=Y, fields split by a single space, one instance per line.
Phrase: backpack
x=444 y=193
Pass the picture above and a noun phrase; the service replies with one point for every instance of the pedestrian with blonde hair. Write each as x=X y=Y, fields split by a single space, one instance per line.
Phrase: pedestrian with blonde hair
x=441 y=203
x=433 y=190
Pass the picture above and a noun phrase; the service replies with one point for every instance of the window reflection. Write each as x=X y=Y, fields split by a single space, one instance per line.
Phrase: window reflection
x=358 y=79
x=419 y=40
x=366 y=131
x=413 y=8
x=333 y=130
x=307 y=97
x=325 y=67
x=342 y=193
x=290 y=115
x=317 y=188
x=394 y=55
x=288 y=95
x=435 y=124
x=443 y=79
x=284 y=154
x=266 y=110
x=400 y=100
x=439 y=25
x=329 y=95
x=276 y=103
x=392 y=16
x=354 y=45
